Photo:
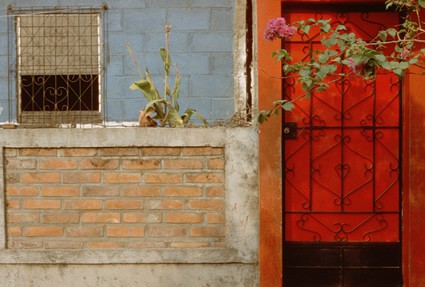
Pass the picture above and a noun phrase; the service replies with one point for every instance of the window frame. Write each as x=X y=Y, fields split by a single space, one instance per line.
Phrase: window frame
x=59 y=117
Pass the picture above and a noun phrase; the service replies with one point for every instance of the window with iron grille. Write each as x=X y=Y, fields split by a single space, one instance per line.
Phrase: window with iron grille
x=59 y=67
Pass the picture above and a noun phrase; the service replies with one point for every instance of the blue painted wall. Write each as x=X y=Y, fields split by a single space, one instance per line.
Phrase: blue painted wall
x=201 y=44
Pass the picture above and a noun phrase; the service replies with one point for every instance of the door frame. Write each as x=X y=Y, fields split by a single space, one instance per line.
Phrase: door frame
x=270 y=180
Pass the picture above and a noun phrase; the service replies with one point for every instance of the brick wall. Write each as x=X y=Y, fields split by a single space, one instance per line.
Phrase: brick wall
x=122 y=197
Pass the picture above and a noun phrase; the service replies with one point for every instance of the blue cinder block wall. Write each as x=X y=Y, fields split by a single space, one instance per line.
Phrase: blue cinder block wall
x=201 y=44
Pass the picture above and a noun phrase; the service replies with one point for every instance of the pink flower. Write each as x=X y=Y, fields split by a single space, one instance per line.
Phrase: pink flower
x=277 y=28
x=351 y=64
x=404 y=54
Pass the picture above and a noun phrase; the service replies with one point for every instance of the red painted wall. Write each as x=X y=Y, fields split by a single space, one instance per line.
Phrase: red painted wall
x=269 y=88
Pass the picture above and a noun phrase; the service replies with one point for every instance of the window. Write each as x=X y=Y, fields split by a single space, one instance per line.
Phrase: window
x=59 y=67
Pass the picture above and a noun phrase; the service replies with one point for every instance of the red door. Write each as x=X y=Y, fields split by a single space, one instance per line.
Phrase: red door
x=342 y=173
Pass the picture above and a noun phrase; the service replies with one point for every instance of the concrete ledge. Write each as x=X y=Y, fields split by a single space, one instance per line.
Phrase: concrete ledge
x=131 y=275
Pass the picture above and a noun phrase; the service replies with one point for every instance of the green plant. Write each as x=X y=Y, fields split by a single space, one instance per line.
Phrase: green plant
x=344 y=54
x=162 y=110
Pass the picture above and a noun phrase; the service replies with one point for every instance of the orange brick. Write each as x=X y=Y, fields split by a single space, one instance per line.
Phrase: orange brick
x=216 y=218
x=82 y=231
x=60 y=191
x=184 y=217
x=100 y=191
x=208 y=204
x=42 y=204
x=63 y=245
x=100 y=217
x=21 y=191
x=38 y=152
x=105 y=245
x=161 y=151
x=202 y=151
x=83 y=204
x=215 y=191
x=182 y=164
x=15 y=244
x=13 y=204
x=14 y=217
x=165 y=231
x=207 y=231
x=77 y=152
x=205 y=177
x=142 y=191
x=99 y=163
x=162 y=178
x=61 y=218
x=122 y=177
x=58 y=164
x=165 y=204
x=125 y=231
x=12 y=178
x=119 y=151
x=182 y=191
x=189 y=244
x=20 y=163
x=124 y=204
x=43 y=231
x=14 y=231
x=217 y=163
x=137 y=217
x=141 y=164
x=39 y=177
x=83 y=177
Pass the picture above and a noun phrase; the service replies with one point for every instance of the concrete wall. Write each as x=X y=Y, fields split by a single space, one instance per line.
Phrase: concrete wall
x=234 y=262
x=201 y=44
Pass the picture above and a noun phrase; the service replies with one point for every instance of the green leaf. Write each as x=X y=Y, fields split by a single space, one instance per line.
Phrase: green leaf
x=326 y=27
x=383 y=35
x=321 y=89
x=341 y=27
x=333 y=39
x=165 y=56
x=287 y=69
x=186 y=116
x=142 y=85
x=414 y=60
x=341 y=45
x=305 y=29
x=422 y=3
x=176 y=92
x=288 y=106
x=323 y=58
x=404 y=65
x=399 y=72
x=304 y=72
x=392 y=32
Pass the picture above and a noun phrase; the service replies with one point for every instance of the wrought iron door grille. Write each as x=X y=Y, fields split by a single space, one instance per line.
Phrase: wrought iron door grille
x=59 y=65
x=342 y=173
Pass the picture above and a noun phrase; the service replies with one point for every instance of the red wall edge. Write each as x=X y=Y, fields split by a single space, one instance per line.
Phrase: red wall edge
x=269 y=88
